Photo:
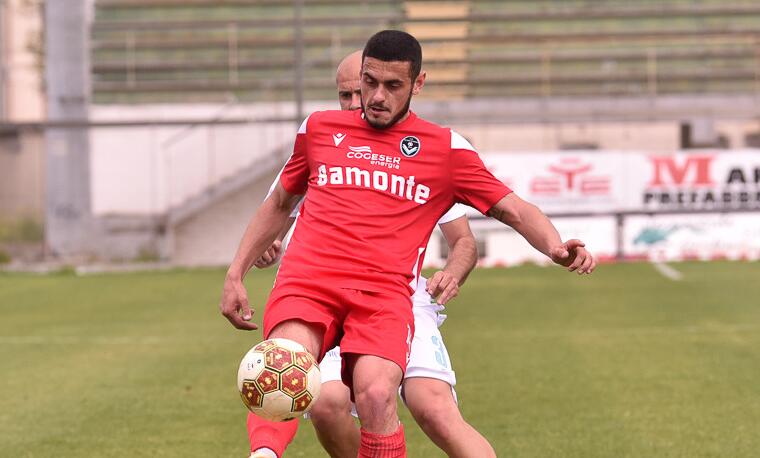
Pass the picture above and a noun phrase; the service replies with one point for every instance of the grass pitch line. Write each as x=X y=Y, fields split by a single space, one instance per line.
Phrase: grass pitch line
x=667 y=271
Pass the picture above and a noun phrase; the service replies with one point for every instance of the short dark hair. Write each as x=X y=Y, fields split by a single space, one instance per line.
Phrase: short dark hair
x=395 y=45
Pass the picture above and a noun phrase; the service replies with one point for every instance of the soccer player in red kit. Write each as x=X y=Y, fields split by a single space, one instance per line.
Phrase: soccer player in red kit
x=378 y=181
x=428 y=385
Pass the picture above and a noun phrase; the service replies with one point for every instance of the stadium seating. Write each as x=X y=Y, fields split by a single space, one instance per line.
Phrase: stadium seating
x=204 y=50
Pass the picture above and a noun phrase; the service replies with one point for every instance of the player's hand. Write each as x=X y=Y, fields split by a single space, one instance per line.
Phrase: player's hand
x=234 y=305
x=270 y=256
x=443 y=286
x=573 y=255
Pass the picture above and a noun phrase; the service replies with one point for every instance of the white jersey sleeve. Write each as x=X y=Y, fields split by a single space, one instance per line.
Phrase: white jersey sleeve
x=455 y=212
x=297 y=208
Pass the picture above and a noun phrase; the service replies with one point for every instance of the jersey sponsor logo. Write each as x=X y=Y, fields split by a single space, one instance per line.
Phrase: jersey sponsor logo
x=382 y=160
x=379 y=180
x=338 y=138
x=360 y=149
x=410 y=146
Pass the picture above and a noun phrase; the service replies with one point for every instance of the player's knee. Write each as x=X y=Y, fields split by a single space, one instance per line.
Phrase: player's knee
x=378 y=396
x=435 y=413
x=376 y=381
x=330 y=408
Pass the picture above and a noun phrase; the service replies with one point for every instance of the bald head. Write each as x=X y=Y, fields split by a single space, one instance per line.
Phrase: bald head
x=348 y=80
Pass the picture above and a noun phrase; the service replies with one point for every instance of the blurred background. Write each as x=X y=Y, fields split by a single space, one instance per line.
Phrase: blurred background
x=150 y=130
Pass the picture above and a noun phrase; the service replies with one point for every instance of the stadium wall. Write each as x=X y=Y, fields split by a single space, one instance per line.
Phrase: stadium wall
x=153 y=159
x=165 y=165
x=211 y=237
x=159 y=164
x=21 y=95
x=22 y=184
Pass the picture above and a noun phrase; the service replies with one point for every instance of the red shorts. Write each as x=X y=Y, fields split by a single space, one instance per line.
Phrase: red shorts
x=361 y=322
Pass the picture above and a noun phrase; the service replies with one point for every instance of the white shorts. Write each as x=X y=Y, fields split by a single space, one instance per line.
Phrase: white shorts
x=428 y=356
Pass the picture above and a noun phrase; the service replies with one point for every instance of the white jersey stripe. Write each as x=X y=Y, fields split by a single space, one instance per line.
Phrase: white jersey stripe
x=413 y=283
x=302 y=129
x=459 y=142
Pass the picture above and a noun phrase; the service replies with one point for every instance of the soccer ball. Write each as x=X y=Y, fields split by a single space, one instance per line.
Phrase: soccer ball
x=278 y=380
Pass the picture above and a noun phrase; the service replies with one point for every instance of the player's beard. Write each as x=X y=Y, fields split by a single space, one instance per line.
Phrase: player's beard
x=394 y=120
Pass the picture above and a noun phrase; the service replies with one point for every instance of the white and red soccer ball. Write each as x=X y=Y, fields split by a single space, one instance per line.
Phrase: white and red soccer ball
x=278 y=380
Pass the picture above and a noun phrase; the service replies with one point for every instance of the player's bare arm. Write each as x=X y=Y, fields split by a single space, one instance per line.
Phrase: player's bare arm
x=274 y=252
x=532 y=224
x=262 y=230
x=463 y=255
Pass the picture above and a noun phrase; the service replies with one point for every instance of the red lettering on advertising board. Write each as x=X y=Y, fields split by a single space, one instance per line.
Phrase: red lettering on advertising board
x=569 y=172
x=695 y=169
x=571 y=175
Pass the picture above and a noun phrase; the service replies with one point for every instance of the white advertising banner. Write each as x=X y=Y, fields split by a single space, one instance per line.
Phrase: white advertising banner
x=686 y=205
x=704 y=236
x=697 y=181
x=564 y=183
x=505 y=247
x=600 y=182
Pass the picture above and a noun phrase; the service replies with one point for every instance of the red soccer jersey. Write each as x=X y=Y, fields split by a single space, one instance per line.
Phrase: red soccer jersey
x=375 y=196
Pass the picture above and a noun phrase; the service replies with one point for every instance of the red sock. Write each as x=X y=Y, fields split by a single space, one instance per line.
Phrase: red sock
x=270 y=434
x=381 y=446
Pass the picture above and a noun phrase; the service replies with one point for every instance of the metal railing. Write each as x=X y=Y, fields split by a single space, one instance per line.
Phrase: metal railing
x=158 y=59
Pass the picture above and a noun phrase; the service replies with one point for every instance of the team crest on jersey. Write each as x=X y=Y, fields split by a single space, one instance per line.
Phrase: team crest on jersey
x=410 y=146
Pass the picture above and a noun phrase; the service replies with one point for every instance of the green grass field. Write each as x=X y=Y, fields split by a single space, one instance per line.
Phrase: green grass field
x=625 y=363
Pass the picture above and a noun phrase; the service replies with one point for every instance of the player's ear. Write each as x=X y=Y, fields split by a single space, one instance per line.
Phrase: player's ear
x=418 y=83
